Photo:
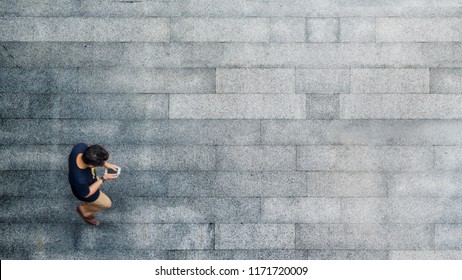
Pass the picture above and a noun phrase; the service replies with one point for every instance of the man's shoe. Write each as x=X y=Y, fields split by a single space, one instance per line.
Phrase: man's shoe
x=89 y=220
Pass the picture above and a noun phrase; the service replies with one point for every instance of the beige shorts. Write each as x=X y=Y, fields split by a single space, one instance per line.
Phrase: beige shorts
x=103 y=202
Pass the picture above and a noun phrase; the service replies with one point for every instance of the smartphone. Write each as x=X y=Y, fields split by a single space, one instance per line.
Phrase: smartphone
x=112 y=171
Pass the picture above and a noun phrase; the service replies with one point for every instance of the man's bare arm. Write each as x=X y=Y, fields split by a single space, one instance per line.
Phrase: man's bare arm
x=98 y=183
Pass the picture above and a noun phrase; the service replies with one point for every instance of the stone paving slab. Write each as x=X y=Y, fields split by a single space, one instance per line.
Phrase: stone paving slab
x=123 y=131
x=74 y=29
x=364 y=236
x=236 y=8
x=347 y=254
x=447 y=236
x=425 y=255
x=216 y=54
x=241 y=184
x=400 y=106
x=419 y=30
x=390 y=81
x=362 y=132
x=237 y=106
x=364 y=158
x=246 y=129
x=255 y=81
x=255 y=236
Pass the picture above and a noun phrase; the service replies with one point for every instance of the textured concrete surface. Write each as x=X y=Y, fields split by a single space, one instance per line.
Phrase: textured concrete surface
x=246 y=129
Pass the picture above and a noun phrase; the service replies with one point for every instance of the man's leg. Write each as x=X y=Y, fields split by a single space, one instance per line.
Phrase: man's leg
x=89 y=209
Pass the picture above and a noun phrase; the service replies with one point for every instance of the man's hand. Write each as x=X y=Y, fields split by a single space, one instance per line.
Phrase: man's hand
x=108 y=177
x=108 y=165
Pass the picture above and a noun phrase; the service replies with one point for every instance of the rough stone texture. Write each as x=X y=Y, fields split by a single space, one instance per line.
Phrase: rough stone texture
x=320 y=107
x=237 y=184
x=233 y=54
x=448 y=157
x=237 y=106
x=255 y=81
x=443 y=80
x=389 y=81
x=363 y=158
x=322 y=30
x=357 y=29
x=426 y=255
x=255 y=236
x=146 y=80
x=320 y=81
x=281 y=129
x=301 y=210
x=287 y=30
x=364 y=236
x=419 y=29
x=257 y=158
x=400 y=106
x=220 y=30
x=448 y=237
x=76 y=29
x=346 y=184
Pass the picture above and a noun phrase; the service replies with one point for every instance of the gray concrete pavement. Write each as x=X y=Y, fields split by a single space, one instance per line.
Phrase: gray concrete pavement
x=246 y=129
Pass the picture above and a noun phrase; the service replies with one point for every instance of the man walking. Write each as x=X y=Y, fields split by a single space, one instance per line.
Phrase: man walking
x=85 y=184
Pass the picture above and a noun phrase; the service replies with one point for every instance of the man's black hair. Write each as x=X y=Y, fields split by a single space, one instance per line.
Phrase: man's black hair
x=95 y=155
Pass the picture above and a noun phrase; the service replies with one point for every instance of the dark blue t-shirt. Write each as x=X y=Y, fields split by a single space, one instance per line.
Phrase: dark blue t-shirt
x=81 y=179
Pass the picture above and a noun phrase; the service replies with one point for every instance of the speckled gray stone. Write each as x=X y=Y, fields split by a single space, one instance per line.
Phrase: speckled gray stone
x=347 y=254
x=362 y=132
x=237 y=106
x=322 y=29
x=365 y=210
x=390 y=80
x=425 y=210
x=237 y=184
x=245 y=254
x=42 y=8
x=255 y=81
x=236 y=8
x=363 y=158
x=448 y=236
x=44 y=80
x=425 y=254
x=419 y=30
x=346 y=184
x=220 y=30
x=164 y=158
x=215 y=54
x=255 y=236
x=301 y=210
x=26 y=183
x=364 y=236
x=259 y=129
x=84 y=29
x=61 y=54
x=448 y=157
x=357 y=29
x=287 y=29
x=183 y=210
x=44 y=157
x=146 y=80
x=319 y=107
x=435 y=184
x=400 y=106
x=256 y=158
x=320 y=81
x=24 y=240
x=145 y=236
x=446 y=80
x=122 y=131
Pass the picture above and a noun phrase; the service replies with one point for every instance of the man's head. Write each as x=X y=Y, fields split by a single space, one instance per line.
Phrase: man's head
x=95 y=155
